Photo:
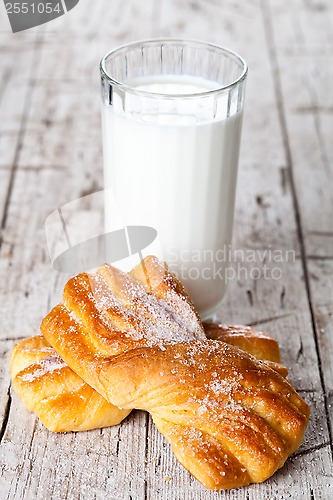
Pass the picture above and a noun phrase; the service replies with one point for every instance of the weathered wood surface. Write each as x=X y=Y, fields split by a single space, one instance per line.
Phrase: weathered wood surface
x=50 y=153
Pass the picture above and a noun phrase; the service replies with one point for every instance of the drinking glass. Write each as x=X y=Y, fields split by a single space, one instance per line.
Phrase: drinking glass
x=172 y=117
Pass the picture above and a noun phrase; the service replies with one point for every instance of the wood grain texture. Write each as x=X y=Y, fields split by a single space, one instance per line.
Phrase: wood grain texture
x=50 y=153
x=307 y=122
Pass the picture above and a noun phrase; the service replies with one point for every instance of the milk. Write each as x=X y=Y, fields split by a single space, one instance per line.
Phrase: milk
x=179 y=177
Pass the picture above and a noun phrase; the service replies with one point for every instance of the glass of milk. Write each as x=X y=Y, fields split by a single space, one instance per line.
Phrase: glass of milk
x=172 y=117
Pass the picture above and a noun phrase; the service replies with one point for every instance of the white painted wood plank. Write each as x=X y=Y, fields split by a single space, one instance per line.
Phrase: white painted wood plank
x=313 y=173
x=321 y=273
x=14 y=95
x=85 y=465
x=36 y=463
x=309 y=126
x=14 y=78
x=308 y=105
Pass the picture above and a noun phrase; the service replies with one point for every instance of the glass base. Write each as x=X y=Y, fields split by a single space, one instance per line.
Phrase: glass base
x=211 y=316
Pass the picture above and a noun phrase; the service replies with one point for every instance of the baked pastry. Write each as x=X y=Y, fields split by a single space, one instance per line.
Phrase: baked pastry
x=35 y=364
x=36 y=369
x=231 y=419
x=157 y=279
x=254 y=342
x=59 y=397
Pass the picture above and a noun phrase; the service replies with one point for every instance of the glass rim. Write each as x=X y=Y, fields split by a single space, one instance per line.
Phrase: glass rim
x=144 y=93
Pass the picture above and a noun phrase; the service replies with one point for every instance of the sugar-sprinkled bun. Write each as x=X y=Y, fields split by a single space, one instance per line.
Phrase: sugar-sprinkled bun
x=231 y=419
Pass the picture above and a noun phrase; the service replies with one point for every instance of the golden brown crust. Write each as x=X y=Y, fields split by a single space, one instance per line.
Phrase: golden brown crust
x=247 y=338
x=204 y=395
x=62 y=411
x=191 y=447
x=252 y=341
x=80 y=407
x=57 y=395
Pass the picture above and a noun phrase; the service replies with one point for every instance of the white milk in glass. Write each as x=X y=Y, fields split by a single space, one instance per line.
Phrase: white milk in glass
x=178 y=178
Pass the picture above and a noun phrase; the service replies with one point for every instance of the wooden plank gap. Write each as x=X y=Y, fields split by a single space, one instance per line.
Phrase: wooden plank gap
x=269 y=34
x=6 y=415
x=12 y=339
x=270 y=319
x=320 y=257
x=327 y=234
x=313 y=109
x=4 y=82
x=118 y=441
x=311 y=450
x=314 y=103
x=146 y=456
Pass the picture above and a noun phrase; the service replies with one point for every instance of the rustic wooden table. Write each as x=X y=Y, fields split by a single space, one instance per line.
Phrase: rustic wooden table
x=50 y=153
